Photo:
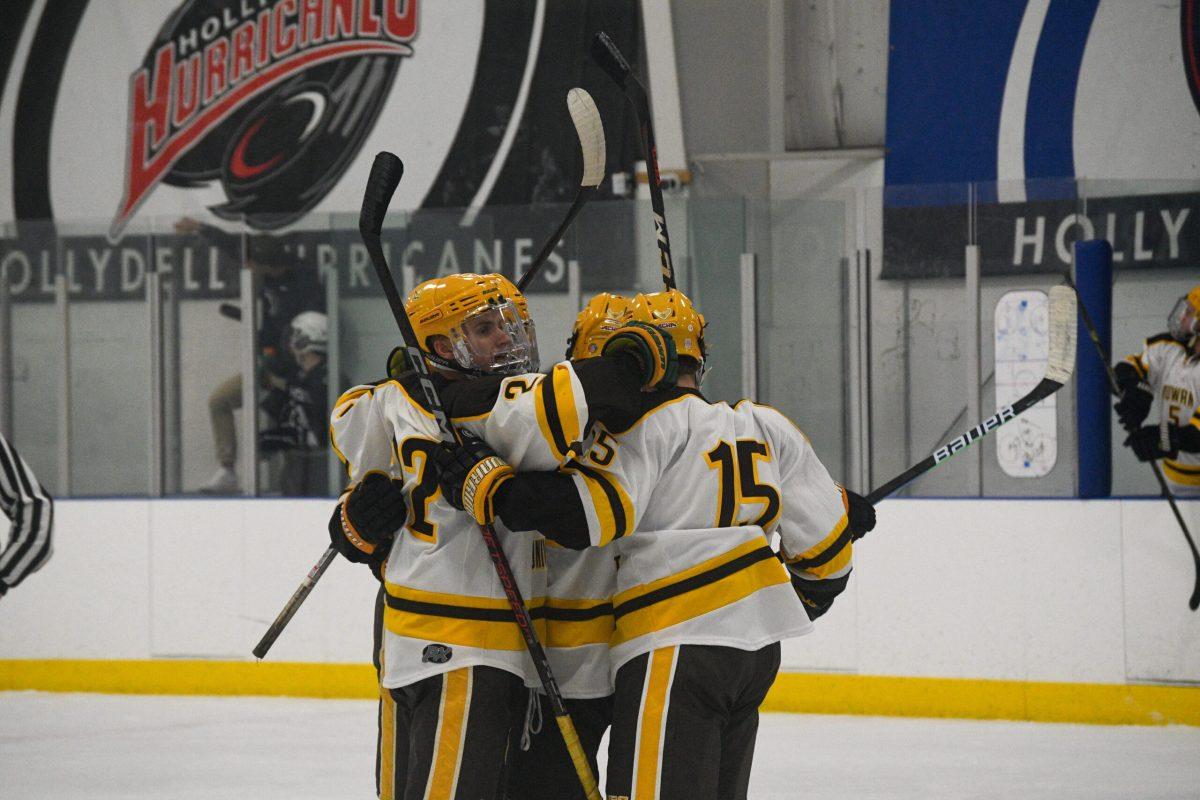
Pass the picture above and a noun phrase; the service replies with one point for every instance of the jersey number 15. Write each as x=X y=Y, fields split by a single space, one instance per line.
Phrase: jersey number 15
x=737 y=477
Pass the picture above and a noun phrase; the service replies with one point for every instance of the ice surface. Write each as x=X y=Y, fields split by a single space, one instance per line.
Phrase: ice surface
x=115 y=747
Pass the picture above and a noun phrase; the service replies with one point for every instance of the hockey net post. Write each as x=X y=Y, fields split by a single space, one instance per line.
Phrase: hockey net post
x=381 y=184
x=586 y=118
x=1060 y=365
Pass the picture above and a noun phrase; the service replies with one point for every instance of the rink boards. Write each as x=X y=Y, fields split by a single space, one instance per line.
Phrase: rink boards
x=1056 y=610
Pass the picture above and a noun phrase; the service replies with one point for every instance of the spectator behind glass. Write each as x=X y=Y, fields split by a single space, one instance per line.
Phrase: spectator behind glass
x=302 y=409
x=286 y=289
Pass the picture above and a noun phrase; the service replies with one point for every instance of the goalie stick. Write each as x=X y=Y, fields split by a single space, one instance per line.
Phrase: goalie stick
x=1114 y=387
x=1058 y=372
x=381 y=184
x=609 y=58
x=590 y=130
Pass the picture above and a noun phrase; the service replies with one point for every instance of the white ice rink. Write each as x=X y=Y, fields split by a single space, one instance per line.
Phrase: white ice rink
x=112 y=747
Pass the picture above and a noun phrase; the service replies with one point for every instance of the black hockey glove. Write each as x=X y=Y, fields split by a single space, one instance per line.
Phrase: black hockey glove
x=652 y=350
x=1134 y=405
x=860 y=515
x=1147 y=442
x=368 y=517
x=816 y=595
x=470 y=475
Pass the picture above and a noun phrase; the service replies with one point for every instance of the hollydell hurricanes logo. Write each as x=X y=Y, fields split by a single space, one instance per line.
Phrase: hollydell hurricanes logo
x=273 y=98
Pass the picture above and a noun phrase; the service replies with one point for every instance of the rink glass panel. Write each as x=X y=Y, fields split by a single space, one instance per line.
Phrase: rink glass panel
x=810 y=315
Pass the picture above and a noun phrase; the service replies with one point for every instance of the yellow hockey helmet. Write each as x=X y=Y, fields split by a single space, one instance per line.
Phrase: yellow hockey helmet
x=485 y=318
x=1184 y=322
x=603 y=314
x=674 y=313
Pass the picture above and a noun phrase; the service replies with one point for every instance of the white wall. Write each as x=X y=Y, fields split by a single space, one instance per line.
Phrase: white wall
x=1085 y=591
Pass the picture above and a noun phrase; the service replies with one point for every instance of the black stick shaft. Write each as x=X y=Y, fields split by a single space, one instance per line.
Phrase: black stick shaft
x=293 y=605
x=1043 y=390
x=610 y=59
x=581 y=197
x=1094 y=335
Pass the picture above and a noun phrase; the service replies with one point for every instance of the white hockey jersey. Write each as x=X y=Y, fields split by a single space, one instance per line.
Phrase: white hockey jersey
x=445 y=607
x=533 y=423
x=1174 y=378
x=689 y=494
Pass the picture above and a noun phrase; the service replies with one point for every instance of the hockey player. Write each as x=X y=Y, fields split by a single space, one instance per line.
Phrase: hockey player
x=1168 y=368
x=579 y=624
x=453 y=660
x=691 y=493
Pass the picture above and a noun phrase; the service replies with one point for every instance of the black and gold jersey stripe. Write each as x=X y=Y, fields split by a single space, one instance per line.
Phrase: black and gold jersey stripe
x=482 y=622
x=700 y=589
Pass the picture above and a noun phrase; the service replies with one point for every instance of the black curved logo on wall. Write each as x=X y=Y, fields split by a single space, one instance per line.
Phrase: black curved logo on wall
x=272 y=102
x=1189 y=19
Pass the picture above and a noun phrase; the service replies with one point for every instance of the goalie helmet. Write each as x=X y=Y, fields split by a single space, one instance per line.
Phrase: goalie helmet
x=484 y=318
x=1184 y=322
x=674 y=313
x=603 y=314
x=309 y=333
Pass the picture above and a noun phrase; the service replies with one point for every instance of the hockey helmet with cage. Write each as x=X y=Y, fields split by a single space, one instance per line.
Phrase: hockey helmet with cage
x=1184 y=322
x=675 y=314
x=603 y=314
x=484 y=318
x=309 y=333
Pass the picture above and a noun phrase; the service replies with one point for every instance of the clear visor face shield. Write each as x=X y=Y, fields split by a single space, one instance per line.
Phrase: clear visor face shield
x=496 y=338
x=1183 y=323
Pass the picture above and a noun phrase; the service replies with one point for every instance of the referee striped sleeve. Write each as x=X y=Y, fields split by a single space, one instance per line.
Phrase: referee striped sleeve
x=31 y=511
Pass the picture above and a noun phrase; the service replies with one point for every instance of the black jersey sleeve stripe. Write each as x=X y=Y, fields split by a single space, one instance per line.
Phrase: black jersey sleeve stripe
x=621 y=521
x=553 y=421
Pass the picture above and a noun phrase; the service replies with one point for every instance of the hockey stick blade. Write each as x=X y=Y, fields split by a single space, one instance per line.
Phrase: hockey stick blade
x=386 y=171
x=609 y=58
x=586 y=118
x=1115 y=388
x=589 y=128
x=1060 y=365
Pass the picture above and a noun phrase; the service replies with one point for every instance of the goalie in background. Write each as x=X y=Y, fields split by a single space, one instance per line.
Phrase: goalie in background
x=31 y=512
x=1167 y=369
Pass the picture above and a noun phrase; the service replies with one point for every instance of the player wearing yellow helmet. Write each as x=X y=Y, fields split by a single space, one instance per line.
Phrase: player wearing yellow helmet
x=1167 y=369
x=596 y=323
x=452 y=663
x=688 y=493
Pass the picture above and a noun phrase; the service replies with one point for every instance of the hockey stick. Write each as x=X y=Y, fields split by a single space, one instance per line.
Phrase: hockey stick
x=586 y=118
x=1194 y=601
x=609 y=58
x=382 y=182
x=1058 y=371
x=293 y=605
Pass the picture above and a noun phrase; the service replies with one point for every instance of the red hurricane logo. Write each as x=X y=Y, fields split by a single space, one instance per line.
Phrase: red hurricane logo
x=273 y=98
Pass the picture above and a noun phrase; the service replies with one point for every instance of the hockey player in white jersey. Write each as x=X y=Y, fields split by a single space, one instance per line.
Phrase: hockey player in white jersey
x=454 y=662
x=1167 y=369
x=692 y=492
x=579 y=624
